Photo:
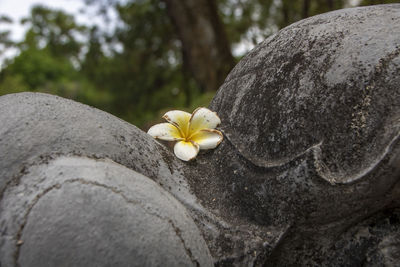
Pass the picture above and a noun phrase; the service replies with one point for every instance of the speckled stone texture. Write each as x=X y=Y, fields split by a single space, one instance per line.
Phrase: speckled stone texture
x=313 y=114
x=72 y=195
x=75 y=211
x=308 y=173
x=37 y=127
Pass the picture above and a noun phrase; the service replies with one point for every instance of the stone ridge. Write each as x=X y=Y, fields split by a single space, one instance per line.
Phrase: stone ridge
x=327 y=84
x=39 y=127
x=308 y=174
x=76 y=211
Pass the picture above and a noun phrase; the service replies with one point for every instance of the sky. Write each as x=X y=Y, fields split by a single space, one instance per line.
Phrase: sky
x=18 y=9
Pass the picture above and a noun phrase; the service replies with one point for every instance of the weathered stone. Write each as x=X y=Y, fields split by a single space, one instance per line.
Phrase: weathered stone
x=312 y=120
x=308 y=174
x=329 y=84
x=76 y=211
x=37 y=129
x=374 y=242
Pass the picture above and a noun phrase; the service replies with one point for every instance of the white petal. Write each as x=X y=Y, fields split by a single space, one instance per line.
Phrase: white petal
x=203 y=118
x=165 y=131
x=178 y=118
x=207 y=138
x=186 y=150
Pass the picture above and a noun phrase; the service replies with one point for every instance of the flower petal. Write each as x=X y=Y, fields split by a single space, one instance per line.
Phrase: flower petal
x=178 y=118
x=165 y=131
x=186 y=150
x=203 y=118
x=207 y=138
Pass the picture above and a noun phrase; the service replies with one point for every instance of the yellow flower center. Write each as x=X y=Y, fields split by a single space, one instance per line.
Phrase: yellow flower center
x=185 y=133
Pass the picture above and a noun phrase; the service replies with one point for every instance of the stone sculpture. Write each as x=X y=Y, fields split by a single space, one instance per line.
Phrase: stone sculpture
x=308 y=172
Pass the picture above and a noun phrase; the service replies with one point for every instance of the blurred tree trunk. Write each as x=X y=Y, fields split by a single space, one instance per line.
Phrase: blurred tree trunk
x=330 y=4
x=306 y=9
x=286 y=16
x=205 y=46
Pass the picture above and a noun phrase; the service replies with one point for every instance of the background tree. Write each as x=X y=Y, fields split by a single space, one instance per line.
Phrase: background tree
x=205 y=46
x=5 y=41
x=53 y=29
x=161 y=54
x=48 y=59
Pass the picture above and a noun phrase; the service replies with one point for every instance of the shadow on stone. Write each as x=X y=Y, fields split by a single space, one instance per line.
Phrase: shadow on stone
x=308 y=174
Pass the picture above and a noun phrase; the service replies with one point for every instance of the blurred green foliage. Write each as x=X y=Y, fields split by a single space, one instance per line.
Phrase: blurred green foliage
x=136 y=71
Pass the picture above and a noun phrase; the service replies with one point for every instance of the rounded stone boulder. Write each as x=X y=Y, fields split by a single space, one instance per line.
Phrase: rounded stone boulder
x=311 y=118
x=80 y=187
x=36 y=128
x=329 y=84
x=75 y=211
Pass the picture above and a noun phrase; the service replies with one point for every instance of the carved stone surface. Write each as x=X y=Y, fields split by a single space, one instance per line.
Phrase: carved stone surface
x=38 y=127
x=329 y=84
x=61 y=203
x=76 y=211
x=308 y=173
x=314 y=115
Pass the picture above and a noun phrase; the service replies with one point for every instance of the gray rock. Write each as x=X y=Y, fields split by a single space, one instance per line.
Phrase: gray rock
x=38 y=127
x=328 y=84
x=312 y=123
x=308 y=174
x=76 y=211
x=373 y=242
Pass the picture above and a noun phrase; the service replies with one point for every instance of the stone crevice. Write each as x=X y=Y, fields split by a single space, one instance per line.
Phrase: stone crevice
x=115 y=191
x=327 y=175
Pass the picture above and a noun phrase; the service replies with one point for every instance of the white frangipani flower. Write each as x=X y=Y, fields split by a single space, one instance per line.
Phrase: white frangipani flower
x=192 y=131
